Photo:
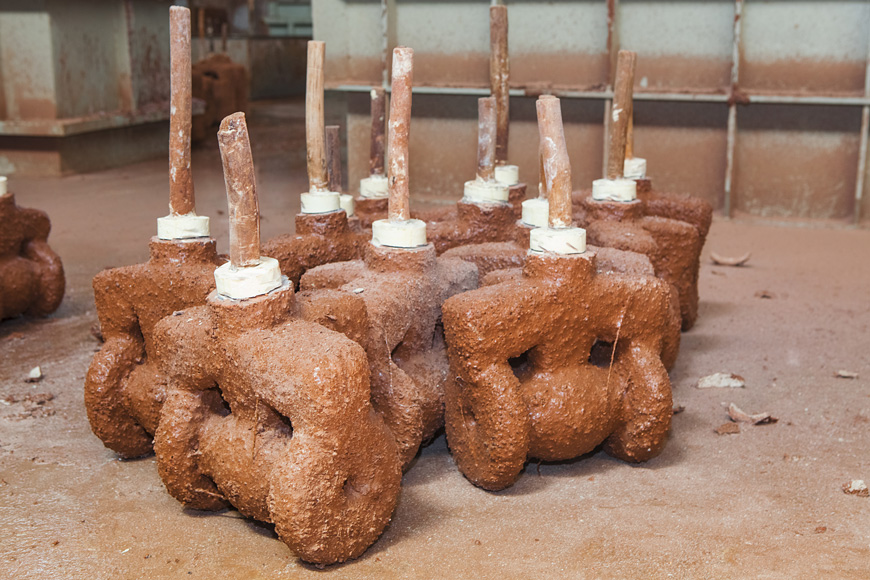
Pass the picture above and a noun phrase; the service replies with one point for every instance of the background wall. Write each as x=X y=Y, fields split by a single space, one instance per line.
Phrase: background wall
x=759 y=106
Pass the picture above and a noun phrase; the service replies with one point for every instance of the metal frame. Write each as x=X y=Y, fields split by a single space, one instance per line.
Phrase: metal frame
x=733 y=97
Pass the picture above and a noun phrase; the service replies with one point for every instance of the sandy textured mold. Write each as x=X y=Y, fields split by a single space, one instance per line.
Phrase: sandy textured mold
x=319 y=239
x=272 y=414
x=390 y=302
x=553 y=362
x=31 y=274
x=124 y=389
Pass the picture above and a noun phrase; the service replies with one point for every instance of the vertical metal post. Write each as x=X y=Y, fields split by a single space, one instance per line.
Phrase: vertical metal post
x=732 y=106
x=862 y=151
x=612 y=55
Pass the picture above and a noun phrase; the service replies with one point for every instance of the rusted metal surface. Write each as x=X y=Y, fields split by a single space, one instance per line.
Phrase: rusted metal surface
x=808 y=53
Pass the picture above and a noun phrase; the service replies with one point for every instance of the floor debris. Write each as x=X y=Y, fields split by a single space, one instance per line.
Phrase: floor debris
x=721 y=380
x=730 y=261
x=739 y=415
x=728 y=429
x=846 y=375
x=856 y=487
x=34 y=376
x=679 y=409
x=764 y=294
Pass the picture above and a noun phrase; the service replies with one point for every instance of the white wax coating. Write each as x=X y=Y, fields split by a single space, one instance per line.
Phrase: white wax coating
x=536 y=212
x=242 y=283
x=182 y=227
x=479 y=191
x=561 y=241
x=3 y=181
x=399 y=234
x=614 y=190
x=320 y=202
x=374 y=186
x=507 y=174
x=346 y=202
x=634 y=168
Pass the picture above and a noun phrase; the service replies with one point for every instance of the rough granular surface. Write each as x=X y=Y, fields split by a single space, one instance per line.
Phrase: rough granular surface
x=673 y=246
x=31 y=274
x=124 y=389
x=552 y=364
x=390 y=302
x=272 y=415
x=319 y=239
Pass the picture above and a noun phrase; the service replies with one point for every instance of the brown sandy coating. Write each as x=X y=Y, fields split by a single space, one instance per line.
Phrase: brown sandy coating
x=370 y=209
x=682 y=207
x=242 y=200
x=673 y=246
x=499 y=77
x=181 y=196
x=400 y=131
x=333 y=157
x=272 y=414
x=533 y=375
x=486 y=138
x=554 y=161
x=379 y=114
x=124 y=389
x=224 y=86
x=391 y=304
x=319 y=239
x=516 y=196
x=621 y=113
x=475 y=223
x=314 y=131
x=31 y=274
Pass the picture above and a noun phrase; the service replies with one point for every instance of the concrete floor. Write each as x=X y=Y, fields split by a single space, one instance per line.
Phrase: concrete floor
x=765 y=503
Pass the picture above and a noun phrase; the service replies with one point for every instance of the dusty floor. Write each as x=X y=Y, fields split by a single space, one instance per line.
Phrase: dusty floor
x=765 y=503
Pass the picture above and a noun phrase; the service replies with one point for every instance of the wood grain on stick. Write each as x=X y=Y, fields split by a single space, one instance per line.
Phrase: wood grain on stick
x=379 y=115
x=486 y=133
x=557 y=167
x=629 y=134
x=333 y=157
x=499 y=77
x=181 y=196
x=318 y=179
x=620 y=113
x=400 y=130
x=241 y=184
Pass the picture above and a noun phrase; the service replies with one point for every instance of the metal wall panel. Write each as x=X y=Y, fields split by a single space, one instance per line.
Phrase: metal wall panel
x=760 y=106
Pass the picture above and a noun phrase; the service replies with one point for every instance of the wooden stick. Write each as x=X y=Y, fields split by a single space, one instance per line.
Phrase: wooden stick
x=224 y=33
x=333 y=157
x=621 y=113
x=181 y=196
x=379 y=115
x=200 y=32
x=244 y=207
x=318 y=179
x=629 y=135
x=400 y=129
x=557 y=167
x=499 y=77
x=486 y=138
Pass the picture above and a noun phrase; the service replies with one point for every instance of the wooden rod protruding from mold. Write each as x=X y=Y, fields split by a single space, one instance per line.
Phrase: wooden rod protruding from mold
x=379 y=117
x=333 y=157
x=241 y=184
x=400 y=129
x=542 y=179
x=486 y=138
x=499 y=77
x=181 y=196
x=629 y=134
x=318 y=180
x=621 y=111
x=557 y=167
